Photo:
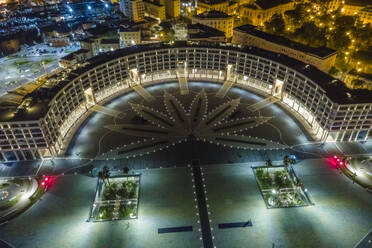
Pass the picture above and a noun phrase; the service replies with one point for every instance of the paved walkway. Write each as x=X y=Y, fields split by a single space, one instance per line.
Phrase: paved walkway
x=366 y=242
x=184 y=87
x=224 y=88
x=107 y=111
x=261 y=104
x=143 y=92
x=202 y=206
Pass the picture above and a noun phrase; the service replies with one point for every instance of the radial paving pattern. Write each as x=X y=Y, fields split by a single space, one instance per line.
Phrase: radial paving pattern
x=164 y=129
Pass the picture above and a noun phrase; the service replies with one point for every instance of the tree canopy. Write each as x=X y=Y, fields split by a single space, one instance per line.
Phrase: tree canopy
x=275 y=25
x=311 y=35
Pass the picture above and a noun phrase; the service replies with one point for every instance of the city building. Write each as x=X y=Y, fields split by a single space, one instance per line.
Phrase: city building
x=261 y=11
x=321 y=57
x=217 y=20
x=133 y=9
x=43 y=122
x=360 y=8
x=200 y=32
x=155 y=10
x=108 y=45
x=172 y=8
x=180 y=31
x=58 y=36
x=98 y=45
x=129 y=36
x=74 y=58
x=358 y=80
x=225 y=6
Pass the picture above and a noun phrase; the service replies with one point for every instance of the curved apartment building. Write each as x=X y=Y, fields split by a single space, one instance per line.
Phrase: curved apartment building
x=43 y=125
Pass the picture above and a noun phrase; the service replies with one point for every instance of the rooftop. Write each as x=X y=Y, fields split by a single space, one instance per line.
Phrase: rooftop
x=110 y=41
x=213 y=14
x=129 y=29
x=268 y=4
x=321 y=52
x=358 y=2
x=361 y=75
x=71 y=56
x=214 y=1
x=80 y=51
x=200 y=31
x=41 y=97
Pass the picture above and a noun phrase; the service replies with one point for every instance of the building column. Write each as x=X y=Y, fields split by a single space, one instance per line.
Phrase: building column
x=365 y=139
x=343 y=135
x=16 y=155
x=4 y=157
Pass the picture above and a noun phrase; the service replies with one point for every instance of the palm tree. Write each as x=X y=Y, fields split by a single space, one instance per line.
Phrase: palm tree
x=106 y=173
x=100 y=175
x=125 y=170
x=286 y=162
x=269 y=163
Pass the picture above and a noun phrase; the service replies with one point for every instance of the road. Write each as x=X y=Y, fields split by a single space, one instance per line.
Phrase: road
x=25 y=66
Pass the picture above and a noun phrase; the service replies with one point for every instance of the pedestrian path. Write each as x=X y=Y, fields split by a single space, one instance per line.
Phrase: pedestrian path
x=143 y=92
x=224 y=89
x=262 y=104
x=182 y=81
x=107 y=111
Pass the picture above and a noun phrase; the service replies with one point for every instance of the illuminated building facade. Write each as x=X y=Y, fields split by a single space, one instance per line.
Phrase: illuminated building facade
x=43 y=124
x=134 y=9
x=261 y=11
x=225 y=6
x=361 y=9
x=217 y=20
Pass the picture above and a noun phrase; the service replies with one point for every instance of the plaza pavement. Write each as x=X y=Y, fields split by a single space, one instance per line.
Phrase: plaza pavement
x=59 y=219
x=341 y=216
x=22 y=74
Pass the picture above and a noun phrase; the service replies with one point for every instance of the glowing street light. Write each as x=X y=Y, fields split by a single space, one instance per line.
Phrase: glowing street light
x=89 y=7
